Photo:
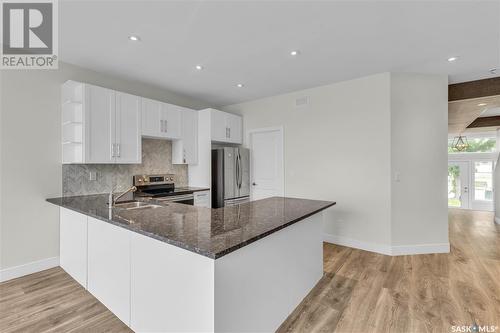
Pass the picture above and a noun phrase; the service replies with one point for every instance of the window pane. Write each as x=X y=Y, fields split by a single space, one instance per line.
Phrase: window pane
x=454 y=186
x=476 y=145
x=483 y=181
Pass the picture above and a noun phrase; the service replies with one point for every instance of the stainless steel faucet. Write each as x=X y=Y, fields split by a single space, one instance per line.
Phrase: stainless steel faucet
x=112 y=199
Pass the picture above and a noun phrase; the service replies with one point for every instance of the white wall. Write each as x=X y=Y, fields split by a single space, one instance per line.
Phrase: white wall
x=419 y=154
x=31 y=155
x=336 y=148
x=345 y=145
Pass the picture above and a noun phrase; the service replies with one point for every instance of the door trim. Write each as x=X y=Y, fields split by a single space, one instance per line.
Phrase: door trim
x=279 y=129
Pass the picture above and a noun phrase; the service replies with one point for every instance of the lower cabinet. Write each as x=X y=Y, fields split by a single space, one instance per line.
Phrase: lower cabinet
x=73 y=244
x=202 y=199
x=109 y=266
x=172 y=289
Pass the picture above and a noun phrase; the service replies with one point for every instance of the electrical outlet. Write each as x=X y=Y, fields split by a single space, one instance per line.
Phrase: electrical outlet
x=93 y=175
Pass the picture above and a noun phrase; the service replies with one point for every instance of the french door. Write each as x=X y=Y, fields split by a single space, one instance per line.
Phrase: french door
x=470 y=184
x=458 y=184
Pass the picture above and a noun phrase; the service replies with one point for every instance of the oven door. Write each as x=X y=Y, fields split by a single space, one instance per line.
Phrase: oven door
x=187 y=199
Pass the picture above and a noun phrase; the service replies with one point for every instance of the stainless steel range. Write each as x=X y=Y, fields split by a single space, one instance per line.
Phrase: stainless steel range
x=162 y=188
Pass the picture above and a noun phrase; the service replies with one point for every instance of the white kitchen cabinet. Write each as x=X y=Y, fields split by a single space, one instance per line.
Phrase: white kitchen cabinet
x=218 y=125
x=109 y=266
x=73 y=244
x=172 y=121
x=128 y=129
x=161 y=120
x=225 y=127
x=100 y=125
x=234 y=125
x=172 y=289
x=185 y=150
x=202 y=199
x=151 y=118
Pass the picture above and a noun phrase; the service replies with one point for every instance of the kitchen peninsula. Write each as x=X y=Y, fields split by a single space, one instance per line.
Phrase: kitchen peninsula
x=173 y=267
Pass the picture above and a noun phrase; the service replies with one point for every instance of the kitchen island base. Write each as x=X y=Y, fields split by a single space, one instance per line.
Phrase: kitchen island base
x=253 y=288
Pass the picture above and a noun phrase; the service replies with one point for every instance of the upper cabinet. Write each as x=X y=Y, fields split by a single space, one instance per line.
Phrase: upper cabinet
x=161 y=120
x=226 y=127
x=100 y=125
x=185 y=150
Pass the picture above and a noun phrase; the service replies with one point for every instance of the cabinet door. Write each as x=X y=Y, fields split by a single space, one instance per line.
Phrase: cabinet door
x=73 y=245
x=234 y=123
x=218 y=126
x=190 y=135
x=109 y=266
x=128 y=129
x=151 y=118
x=202 y=199
x=99 y=124
x=172 y=122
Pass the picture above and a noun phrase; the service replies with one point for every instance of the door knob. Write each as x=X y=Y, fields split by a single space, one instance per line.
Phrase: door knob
x=254 y=184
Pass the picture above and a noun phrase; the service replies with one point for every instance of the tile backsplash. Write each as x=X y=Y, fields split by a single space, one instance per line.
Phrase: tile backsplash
x=156 y=158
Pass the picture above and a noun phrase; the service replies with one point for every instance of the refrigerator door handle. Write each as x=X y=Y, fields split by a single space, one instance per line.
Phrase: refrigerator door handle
x=240 y=175
x=237 y=170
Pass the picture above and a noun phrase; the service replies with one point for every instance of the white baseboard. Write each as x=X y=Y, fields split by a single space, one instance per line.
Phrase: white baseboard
x=497 y=220
x=29 y=268
x=398 y=250
x=349 y=242
x=403 y=250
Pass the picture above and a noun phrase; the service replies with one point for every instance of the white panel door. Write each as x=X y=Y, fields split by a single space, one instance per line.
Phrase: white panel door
x=73 y=245
x=266 y=163
x=128 y=129
x=172 y=121
x=109 y=266
x=151 y=118
x=234 y=124
x=218 y=125
x=190 y=135
x=99 y=124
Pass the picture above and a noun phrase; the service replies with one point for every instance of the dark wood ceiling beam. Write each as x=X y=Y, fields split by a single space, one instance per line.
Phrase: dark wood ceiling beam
x=474 y=89
x=485 y=122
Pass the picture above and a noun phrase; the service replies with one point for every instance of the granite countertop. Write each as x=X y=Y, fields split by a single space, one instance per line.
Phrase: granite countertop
x=209 y=232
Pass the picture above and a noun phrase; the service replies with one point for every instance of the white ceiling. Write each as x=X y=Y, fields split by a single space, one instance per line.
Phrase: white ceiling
x=249 y=42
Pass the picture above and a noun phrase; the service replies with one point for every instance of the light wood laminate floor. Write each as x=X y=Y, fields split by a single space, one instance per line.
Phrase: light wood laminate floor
x=360 y=292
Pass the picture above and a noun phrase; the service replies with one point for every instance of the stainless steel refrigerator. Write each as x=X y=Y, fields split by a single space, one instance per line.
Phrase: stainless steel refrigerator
x=230 y=176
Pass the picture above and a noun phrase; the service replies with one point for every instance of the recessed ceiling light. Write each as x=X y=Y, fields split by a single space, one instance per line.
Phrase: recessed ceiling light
x=240 y=85
x=134 y=38
x=482 y=104
x=451 y=59
x=198 y=67
x=294 y=52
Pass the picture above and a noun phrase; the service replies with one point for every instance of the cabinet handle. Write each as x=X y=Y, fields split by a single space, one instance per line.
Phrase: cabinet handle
x=118 y=150
x=112 y=150
x=229 y=130
x=227 y=133
x=166 y=125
